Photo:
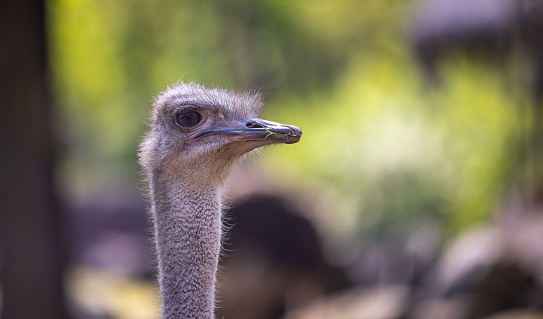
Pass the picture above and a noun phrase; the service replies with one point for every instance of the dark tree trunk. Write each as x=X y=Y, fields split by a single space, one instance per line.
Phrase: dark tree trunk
x=30 y=233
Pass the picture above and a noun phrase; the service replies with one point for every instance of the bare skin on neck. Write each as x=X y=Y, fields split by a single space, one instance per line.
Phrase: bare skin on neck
x=196 y=136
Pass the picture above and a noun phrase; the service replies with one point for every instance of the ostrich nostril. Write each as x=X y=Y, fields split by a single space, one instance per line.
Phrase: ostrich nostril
x=253 y=125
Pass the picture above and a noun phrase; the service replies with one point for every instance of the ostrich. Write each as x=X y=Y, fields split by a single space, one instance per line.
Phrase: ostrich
x=196 y=136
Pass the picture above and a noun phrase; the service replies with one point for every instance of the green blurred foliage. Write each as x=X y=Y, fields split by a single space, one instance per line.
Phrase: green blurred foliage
x=400 y=154
x=390 y=152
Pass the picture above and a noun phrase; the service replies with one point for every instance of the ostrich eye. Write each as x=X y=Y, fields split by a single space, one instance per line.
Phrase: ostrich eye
x=188 y=119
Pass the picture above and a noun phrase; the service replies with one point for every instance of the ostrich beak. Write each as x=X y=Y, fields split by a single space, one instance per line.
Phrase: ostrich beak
x=258 y=130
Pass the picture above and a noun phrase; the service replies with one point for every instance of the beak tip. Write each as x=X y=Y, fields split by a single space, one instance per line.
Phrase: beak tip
x=296 y=130
x=294 y=136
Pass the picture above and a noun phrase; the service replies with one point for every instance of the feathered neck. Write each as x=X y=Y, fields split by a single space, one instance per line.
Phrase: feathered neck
x=187 y=226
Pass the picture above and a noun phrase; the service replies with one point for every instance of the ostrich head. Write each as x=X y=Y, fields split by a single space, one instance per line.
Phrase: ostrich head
x=200 y=132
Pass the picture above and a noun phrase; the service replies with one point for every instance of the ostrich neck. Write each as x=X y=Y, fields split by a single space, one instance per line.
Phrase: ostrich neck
x=187 y=224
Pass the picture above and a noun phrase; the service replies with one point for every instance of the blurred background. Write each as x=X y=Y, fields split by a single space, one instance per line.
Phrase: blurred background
x=416 y=191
